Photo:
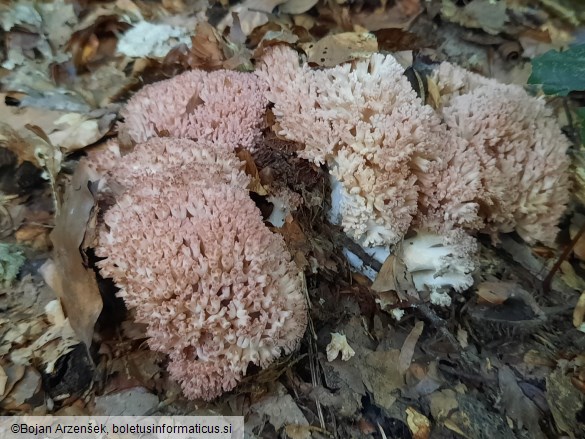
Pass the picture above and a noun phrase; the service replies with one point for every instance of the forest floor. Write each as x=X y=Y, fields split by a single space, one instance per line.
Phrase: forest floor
x=505 y=360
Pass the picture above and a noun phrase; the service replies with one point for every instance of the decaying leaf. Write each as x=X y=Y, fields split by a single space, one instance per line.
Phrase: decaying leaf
x=382 y=376
x=67 y=275
x=517 y=405
x=3 y=381
x=76 y=131
x=252 y=171
x=418 y=424
x=280 y=408
x=23 y=391
x=579 y=313
x=407 y=351
x=495 y=293
x=565 y=402
x=339 y=48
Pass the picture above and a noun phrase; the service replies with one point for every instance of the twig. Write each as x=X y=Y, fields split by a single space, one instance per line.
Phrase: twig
x=546 y=283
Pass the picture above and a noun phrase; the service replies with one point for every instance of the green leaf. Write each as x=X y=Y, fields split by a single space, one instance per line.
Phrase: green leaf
x=560 y=73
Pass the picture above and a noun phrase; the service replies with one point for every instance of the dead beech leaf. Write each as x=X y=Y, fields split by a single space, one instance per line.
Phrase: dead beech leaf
x=418 y=424
x=3 y=381
x=579 y=312
x=251 y=169
x=395 y=40
x=336 y=49
x=407 y=351
x=517 y=405
x=385 y=279
x=295 y=7
x=206 y=50
x=396 y=14
x=495 y=293
x=381 y=376
x=433 y=93
x=298 y=431
x=74 y=284
x=76 y=131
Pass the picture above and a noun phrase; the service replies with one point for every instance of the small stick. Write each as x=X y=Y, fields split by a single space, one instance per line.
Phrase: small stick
x=546 y=283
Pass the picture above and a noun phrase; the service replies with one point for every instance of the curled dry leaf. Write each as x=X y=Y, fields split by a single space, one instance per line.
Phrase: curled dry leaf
x=418 y=424
x=579 y=313
x=407 y=351
x=66 y=274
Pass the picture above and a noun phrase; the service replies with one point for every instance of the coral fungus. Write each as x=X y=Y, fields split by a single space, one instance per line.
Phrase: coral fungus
x=217 y=289
x=522 y=152
x=223 y=107
x=393 y=158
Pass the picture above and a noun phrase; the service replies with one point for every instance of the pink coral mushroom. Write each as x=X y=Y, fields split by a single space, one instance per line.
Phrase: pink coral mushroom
x=521 y=149
x=222 y=107
x=393 y=163
x=217 y=289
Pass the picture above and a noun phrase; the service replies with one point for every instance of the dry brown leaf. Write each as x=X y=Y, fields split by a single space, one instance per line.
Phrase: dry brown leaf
x=495 y=293
x=381 y=375
x=407 y=351
x=418 y=424
x=398 y=14
x=396 y=40
x=74 y=283
x=24 y=390
x=3 y=381
x=251 y=169
x=517 y=405
x=579 y=313
x=336 y=49
x=206 y=48
x=298 y=431
x=385 y=279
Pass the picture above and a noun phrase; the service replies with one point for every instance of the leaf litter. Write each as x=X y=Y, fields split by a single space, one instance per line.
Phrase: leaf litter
x=504 y=361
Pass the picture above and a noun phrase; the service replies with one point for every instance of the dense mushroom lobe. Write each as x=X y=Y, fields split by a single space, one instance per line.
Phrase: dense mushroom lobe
x=222 y=107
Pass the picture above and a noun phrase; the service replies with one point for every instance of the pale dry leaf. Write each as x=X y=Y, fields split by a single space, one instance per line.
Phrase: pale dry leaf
x=517 y=405
x=298 y=431
x=76 y=131
x=418 y=424
x=27 y=387
x=3 y=381
x=382 y=377
x=295 y=7
x=442 y=403
x=386 y=279
x=407 y=351
x=280 y=408
x=339 y=48
x=74 y=283
x=579 y=312
x=495 y=293
x=14 y=373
